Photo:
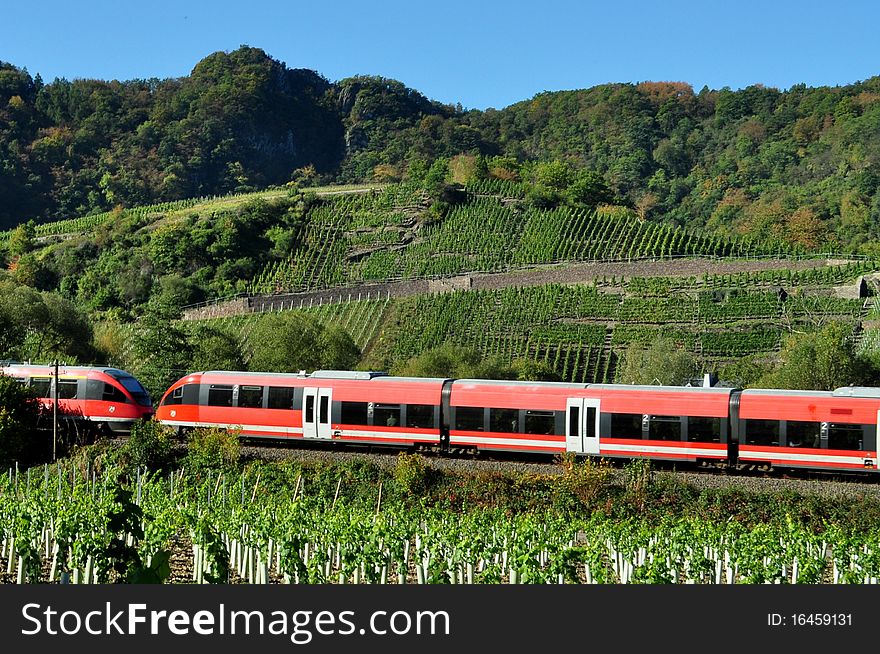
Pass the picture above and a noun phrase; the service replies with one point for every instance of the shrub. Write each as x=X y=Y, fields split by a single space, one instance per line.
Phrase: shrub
x=412 y=474
x=212 y=448
x=150 y=444
x=583 y=485
x=19 y=414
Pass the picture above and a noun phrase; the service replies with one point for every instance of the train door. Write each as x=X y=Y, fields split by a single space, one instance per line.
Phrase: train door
x=316 y=412
x=582 y=425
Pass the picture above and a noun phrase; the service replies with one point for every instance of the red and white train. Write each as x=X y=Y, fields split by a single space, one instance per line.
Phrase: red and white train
x=109 y=397
x=763 y=429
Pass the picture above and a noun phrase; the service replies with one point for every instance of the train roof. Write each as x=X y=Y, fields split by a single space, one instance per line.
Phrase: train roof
x=521 y=384
x=718 y=390
x=49 y=366
x=856 y=391
x=424 y=380
x=346 y=374
x=785 y=393
x=317 y=374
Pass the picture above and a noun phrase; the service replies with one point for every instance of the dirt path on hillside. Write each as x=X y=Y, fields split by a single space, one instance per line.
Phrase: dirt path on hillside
x=585 y=272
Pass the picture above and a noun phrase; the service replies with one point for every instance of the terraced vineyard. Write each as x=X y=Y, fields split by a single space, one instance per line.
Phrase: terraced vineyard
x=90 y=222
x=392 y=235
x=581 y=330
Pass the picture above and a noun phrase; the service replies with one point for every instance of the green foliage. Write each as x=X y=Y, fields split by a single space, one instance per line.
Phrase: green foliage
x=660 y=363
x=798 y=166
x=584 y=485
x=22 y=239
x=160 y=351
x=214 y=349
x=532 y=370
x=19 y=415
x=212 y=449
x=289 y=342
x=149 y=445
x=412 y=474
x=39 y=325
x=822 y=360
x=450 y=360
x=746 y=371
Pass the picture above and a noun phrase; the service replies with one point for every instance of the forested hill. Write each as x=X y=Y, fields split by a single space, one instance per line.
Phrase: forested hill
x=801 y=164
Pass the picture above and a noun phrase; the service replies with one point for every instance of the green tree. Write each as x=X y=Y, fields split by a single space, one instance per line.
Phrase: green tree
x=532 y=370
x=22 y=239
x=160 y=352
x=455 y=361
x=822 y=360
x=589 y=189
x=214 y=349
x=289 y=342
x=662 y=362
x=19 y=414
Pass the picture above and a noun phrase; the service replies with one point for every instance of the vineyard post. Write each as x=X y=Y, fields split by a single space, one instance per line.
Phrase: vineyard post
x=55 y=412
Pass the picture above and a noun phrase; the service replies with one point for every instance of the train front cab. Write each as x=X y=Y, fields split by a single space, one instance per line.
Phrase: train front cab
x=108 y=397
x=822 y=430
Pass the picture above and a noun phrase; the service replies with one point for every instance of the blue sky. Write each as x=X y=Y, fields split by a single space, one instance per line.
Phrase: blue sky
x=481 y=54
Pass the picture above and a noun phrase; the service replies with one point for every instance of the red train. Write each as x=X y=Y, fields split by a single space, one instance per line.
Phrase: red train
x=111 y=398
x=834 y=431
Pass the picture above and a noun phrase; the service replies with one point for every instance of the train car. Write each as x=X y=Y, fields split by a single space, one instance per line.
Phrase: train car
x=354 y=407
x=111 y=398
x=823 y=430
x=708 y=426
x=674 y=423
x=510 y=416
x=610 y=420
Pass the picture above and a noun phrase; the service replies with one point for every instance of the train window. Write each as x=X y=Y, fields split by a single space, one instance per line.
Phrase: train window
x=844 y=437
x=250 y=397
x=353 y=413
x=420 y=416
x=67 y=389
x=175 y=397
x=626 y=425
x=20 y=380
x=309 y=410
x=803 y=434
x=540 y=422
x=219 y=395
x=664 y=428
x=704 y=430
x=42 y=386
x=112 y=394
x=387 y=415
x=281 y=397
x=324 y=409
x=133 y=386
x=469 y=418
x=504 y=420
x=762 y=432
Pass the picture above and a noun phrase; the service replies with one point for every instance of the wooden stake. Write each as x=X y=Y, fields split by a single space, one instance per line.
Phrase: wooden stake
x=336 y=494
x=256 y=484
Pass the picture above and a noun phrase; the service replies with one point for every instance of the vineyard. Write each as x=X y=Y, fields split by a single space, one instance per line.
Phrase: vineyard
x=581 y=330
x=60 y=523
x=91 y=222
x=392 y=234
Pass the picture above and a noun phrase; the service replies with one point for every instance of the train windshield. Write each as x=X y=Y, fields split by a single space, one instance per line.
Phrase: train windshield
x=133 y=386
